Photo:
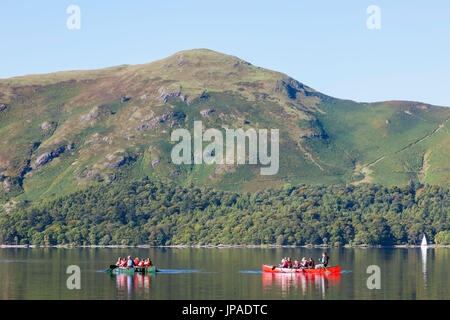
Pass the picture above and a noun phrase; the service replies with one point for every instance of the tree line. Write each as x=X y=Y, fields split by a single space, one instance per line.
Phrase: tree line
x=150 y=212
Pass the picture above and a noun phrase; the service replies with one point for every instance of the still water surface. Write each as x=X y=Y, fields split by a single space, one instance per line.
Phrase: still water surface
x=231 y=273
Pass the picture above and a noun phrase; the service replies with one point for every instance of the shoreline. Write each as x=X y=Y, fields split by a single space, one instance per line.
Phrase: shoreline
x=221 y=246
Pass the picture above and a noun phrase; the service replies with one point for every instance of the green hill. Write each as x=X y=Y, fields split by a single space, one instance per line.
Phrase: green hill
x=68 y=130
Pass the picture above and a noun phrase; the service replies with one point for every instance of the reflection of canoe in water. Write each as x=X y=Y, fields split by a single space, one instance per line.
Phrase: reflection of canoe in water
x=308 y=284
x=133 y=270
x=275 y=269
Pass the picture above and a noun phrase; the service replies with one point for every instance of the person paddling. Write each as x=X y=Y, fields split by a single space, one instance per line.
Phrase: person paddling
x=296 y=264
x=304 y=263
x=323 y=261
x=311 y=263
x=130 y=263
x=289 y=262
x=283 y=263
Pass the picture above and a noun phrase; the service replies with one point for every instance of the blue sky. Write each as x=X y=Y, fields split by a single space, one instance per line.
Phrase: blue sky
x=324 y=44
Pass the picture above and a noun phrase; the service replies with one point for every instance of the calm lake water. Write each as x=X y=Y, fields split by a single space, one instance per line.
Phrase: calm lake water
x=231 y=273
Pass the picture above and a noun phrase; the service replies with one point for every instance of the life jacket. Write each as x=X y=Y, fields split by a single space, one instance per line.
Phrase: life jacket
x=141 y=264
x=136 y=262
x=304 y=263
x=289 y=264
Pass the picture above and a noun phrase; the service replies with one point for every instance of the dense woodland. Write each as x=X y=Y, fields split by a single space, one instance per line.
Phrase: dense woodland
x=162 y=213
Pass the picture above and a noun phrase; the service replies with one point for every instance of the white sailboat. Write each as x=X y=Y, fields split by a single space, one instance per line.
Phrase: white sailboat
x=424 y=242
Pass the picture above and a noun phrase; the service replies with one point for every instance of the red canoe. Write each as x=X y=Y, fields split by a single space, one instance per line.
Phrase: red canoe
x=275 y=269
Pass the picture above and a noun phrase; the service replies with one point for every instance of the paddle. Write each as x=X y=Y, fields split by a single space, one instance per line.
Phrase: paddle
x=112 y=267
x=326 y=270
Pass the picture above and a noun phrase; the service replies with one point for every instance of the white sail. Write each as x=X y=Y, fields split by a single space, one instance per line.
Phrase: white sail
x=424 y=241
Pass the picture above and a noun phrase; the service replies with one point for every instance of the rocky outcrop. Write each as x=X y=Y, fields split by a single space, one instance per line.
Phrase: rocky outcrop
x=124 y=98
x=46 y=157
x=49 y=127
x=107 y=140
x=222 y=168
x=152 y=124
x=166 y=94
x=155 y=162
x=120 y=161
x=206 y=112
x=96 y=113
x=311 y=134
x=5 y=183
x=92 y=115
x=46 y=126
x=43 y=159
x=181 y=61
x=291 y=87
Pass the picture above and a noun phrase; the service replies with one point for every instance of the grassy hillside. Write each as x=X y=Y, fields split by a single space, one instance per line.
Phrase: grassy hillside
x=64 y=131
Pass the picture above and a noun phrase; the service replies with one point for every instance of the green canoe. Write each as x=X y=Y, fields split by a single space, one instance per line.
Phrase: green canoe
x=133 y=270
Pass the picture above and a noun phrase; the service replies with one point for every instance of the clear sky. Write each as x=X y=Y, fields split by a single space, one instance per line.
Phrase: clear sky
x=324 y=44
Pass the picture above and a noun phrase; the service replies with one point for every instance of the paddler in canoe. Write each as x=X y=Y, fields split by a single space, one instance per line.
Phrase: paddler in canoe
x=305 y=265
x=120 y=262
x=323 y=261
x=283 y=263
x=143 y=265
x=289 y=262
x=130 y=263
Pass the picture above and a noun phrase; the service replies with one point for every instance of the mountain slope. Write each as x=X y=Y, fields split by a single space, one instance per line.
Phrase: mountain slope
x=67 y=130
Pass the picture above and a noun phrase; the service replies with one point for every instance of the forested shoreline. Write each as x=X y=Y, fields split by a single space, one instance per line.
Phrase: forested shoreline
x=158 y=213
